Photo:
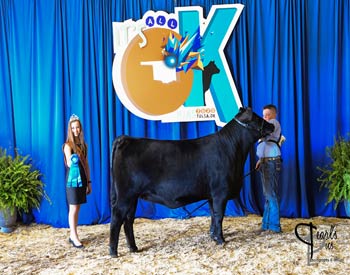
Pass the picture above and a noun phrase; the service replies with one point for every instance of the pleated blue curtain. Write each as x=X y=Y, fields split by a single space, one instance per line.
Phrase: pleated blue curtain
x=56 y=59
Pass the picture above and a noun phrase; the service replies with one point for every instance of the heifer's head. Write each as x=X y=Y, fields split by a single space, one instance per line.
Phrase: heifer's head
x=248 y=119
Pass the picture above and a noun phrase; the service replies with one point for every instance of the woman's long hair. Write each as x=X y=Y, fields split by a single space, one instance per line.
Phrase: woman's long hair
x=74 y=141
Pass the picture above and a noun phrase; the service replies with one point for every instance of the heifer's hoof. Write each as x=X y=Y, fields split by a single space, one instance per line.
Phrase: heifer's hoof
x=133 y=249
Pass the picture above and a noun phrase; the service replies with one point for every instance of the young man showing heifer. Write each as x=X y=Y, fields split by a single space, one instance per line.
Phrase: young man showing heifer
x=269 y=165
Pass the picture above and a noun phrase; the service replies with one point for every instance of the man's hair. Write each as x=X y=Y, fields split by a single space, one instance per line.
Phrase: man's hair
x=271 y=107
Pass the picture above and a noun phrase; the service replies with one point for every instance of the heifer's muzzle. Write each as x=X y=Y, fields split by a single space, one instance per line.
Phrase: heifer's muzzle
x=266 y=128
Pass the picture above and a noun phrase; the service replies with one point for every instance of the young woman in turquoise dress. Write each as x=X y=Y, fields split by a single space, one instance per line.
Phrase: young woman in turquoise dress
x=78 y=181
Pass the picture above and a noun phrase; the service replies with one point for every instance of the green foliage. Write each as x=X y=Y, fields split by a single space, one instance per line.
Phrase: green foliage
x=336 y=175
x=20 y=185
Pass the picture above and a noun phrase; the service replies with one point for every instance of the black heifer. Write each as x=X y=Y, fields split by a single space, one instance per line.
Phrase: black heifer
x=176 y=173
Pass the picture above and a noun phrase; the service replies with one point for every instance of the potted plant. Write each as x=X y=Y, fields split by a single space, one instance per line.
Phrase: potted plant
x=21 y=188
x=336 y=175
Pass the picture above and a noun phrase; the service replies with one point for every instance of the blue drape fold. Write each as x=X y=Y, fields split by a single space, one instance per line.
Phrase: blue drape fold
x=56 y=59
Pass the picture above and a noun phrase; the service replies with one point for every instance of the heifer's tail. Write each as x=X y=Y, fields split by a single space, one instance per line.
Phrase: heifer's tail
x=117 y=143
x=113 y=191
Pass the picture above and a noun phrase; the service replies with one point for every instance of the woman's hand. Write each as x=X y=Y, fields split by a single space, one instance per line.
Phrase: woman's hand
x=88 y=188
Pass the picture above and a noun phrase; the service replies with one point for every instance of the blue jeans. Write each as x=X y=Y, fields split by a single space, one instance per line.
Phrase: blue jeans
x=270 y=172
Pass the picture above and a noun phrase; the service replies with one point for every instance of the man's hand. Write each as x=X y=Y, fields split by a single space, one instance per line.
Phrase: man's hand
x=257 y=165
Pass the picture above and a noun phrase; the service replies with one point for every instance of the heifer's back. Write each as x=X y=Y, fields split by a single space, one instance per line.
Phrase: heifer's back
x=176 y=173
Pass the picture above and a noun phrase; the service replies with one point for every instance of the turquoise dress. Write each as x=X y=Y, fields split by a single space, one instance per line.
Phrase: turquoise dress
x=76 y=181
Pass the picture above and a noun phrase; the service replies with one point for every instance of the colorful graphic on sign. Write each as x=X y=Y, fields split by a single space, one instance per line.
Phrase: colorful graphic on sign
x=172 y=67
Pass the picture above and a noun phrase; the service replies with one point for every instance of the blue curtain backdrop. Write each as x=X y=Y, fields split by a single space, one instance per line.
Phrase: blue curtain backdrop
x=56 y=59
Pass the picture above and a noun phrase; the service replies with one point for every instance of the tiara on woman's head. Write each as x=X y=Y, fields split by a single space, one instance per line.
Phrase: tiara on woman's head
x=73 y=117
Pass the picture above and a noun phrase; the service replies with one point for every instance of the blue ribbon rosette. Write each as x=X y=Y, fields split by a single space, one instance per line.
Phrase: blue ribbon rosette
x=74 y=178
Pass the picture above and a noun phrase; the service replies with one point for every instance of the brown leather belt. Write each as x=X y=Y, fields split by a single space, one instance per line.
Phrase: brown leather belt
x=270 y=158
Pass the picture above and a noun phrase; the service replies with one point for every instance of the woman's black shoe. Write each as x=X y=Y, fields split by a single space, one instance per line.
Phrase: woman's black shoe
x=74 y=245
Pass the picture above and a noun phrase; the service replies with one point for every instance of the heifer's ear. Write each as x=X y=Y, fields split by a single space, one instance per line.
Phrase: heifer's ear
x=249 y=113
x=244 y=115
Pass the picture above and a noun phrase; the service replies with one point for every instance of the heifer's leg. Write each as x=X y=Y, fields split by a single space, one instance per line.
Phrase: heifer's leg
x=119 y=211
x=129 y=228
x=219 y=206
x=115 y=225
x=212 y=224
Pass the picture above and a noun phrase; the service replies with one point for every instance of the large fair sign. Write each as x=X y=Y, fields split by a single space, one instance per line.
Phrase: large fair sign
x=172 y=67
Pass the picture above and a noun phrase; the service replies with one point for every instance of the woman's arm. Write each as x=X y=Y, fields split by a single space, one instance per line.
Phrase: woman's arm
x=67 y=153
